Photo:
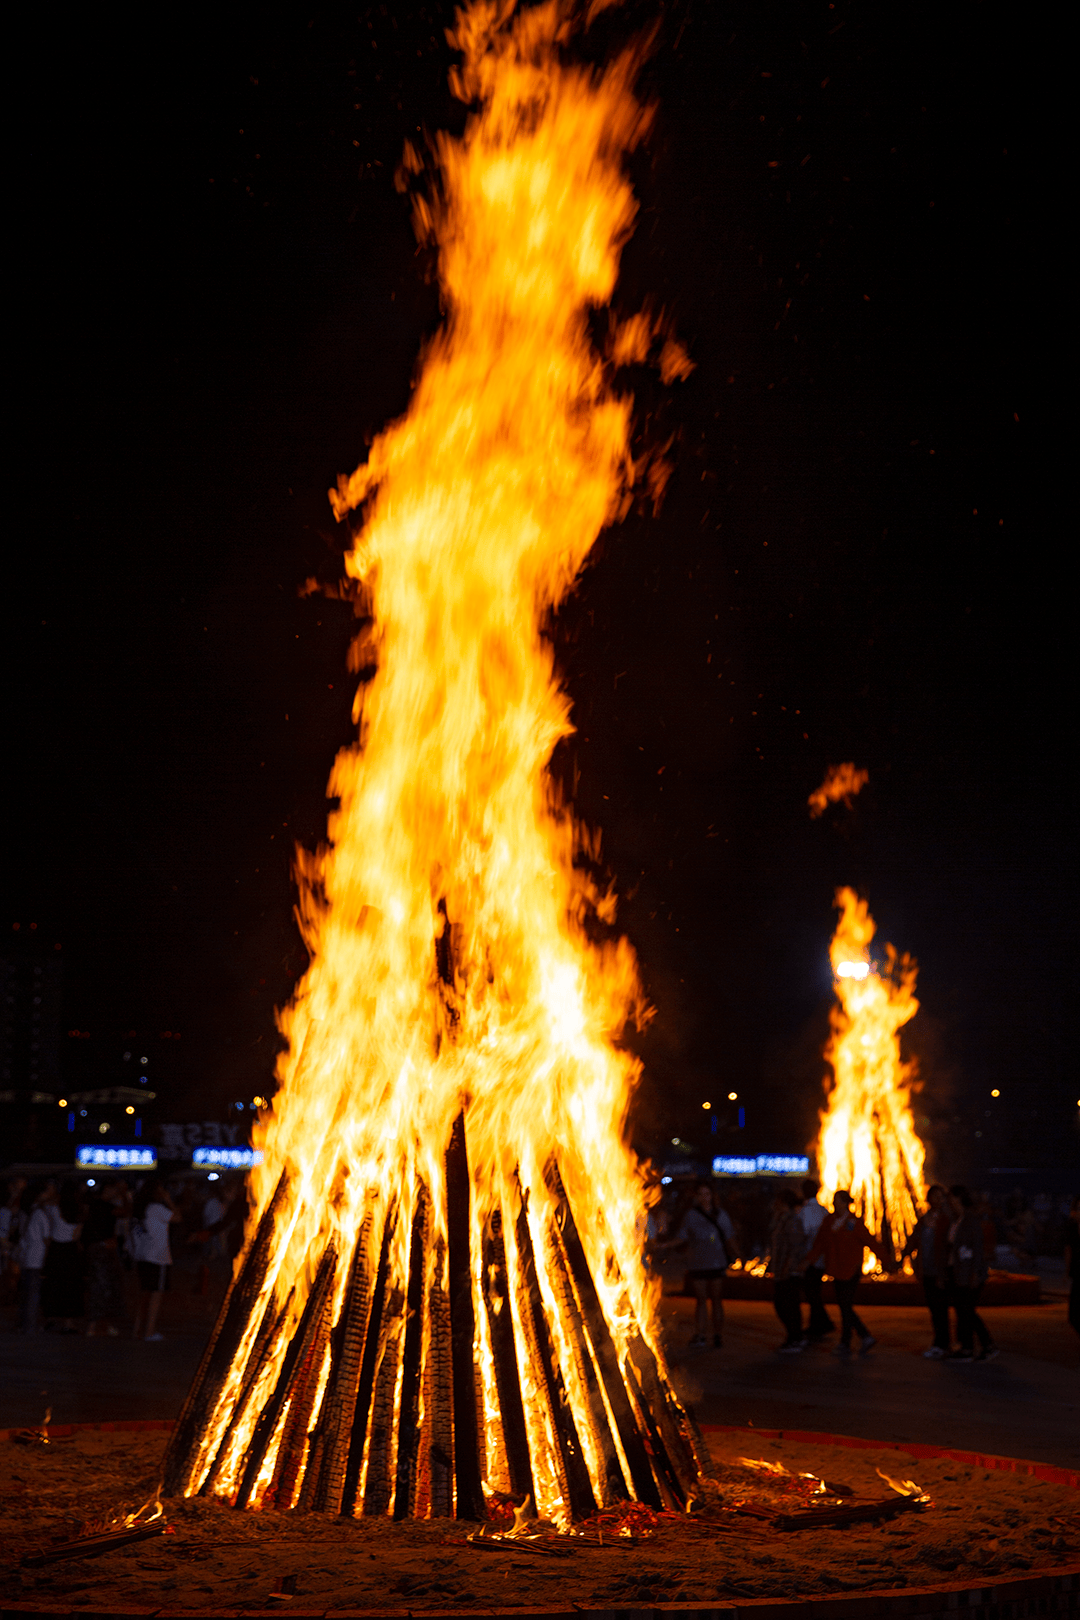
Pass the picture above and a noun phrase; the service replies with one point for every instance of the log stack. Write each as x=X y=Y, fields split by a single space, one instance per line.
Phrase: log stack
x=445 y=1366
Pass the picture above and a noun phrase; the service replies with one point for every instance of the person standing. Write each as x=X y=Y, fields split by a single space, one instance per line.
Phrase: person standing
x=787 y=1250
x=841 y=1242
x=104 y=1273
x=811 y=1215
x=1072 y=1262
x=967 y=1273
x=31 y=1254
x=929 y=1244
x=12 y=1224
x=61 y=1283
x=153 y=1212
x=705 y=1233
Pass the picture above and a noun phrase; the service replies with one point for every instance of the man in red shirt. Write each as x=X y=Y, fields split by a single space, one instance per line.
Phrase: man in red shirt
x=841 y=1241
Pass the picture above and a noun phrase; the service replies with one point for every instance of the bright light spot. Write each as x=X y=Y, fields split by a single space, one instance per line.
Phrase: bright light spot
x=706 y=1105
x=665 y=1181
x=62 y=1103
x=733 y=1096
x=129 y=1109
x=90 y=1182
x=103 y=1128
x=852 y=970
x=144 y=1060
x=674 y=1141
x=995 y=1093
x=213 y=1176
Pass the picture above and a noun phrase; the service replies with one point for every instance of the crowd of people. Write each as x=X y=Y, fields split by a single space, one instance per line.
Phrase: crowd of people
x=951 y=1249
x=67 y=1249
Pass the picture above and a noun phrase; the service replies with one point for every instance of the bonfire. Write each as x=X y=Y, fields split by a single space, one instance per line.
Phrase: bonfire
x=442 y=1305
x=867 y=1142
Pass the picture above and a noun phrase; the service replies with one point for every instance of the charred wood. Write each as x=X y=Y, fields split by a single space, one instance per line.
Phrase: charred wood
x=469 y=1502
x=633 y=1446
x=330 y=1443
x=368 y=1367
x=579 y=1487
x=507 y=1375
x=299 y=1345
x=409 y=1410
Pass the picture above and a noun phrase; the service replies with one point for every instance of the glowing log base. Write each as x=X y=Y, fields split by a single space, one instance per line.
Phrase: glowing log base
x=384 y=1410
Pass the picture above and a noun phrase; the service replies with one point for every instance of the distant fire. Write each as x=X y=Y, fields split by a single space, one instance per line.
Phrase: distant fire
x=443 y=1299
x=867 y=1142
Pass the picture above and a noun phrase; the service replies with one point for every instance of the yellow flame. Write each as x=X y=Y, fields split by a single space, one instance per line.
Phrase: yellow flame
x=903 y=1487
x=449 y=847
x=867 y=1142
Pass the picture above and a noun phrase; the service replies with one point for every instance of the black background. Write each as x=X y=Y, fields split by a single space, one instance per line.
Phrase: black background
x=221 y=297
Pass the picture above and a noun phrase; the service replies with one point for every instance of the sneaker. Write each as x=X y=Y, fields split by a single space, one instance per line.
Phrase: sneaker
x=789 y=1349
x=989 y=1353
x=961 y=1355
x=697 y=1341
x=717 y=1342
x=156 y=1338
x=867 y=1345
x=843 y=1351
x=935 y=1353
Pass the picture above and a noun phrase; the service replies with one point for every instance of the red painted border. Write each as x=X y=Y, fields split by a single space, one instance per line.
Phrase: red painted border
x=976 y=1459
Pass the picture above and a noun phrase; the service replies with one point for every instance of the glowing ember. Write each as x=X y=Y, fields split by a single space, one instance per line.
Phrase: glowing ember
x=867 y=1141
x=443 y=1296
x=841 y=784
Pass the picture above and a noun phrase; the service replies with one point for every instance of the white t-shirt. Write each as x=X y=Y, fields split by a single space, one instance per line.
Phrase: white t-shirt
x=60 y=1231
x=35 y=1241
x=151 y=1235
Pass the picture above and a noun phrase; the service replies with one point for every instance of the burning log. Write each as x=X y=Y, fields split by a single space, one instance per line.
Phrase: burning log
x=366 y=1383
x=507 y=1380
x=576 y=1474
x=330 y=1443
x=469 y=1493
x=185 y=1447
x=294 y=1367
x=408 y=1419
x=94 y=1546
x=859 y=1513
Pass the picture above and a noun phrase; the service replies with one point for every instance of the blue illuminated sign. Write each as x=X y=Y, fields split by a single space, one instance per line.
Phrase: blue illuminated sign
x=226 y=1158
x=764 y=1164
x=117 y=1158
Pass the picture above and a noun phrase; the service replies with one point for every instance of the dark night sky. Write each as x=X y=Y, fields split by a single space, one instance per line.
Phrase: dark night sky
x=223 y=298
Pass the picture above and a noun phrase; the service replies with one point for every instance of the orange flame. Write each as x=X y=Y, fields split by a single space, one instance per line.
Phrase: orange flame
x=450 y=918
x=842 y=783
x=867 y=1142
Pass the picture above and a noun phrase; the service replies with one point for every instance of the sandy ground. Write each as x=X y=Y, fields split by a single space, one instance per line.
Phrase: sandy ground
x=981 y=1523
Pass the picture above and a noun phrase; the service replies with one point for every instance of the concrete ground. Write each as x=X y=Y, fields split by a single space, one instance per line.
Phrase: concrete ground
x=1024 y=1404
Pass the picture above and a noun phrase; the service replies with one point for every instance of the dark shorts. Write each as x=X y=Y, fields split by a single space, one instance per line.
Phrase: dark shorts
x=708 y=1275
x=152 y=1279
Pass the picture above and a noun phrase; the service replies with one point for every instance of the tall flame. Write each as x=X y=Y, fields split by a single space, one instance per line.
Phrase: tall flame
x=451 y=923
x=867 y=1141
